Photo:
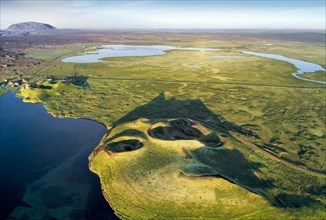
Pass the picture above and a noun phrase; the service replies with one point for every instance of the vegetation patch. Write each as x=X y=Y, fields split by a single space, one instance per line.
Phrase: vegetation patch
x=123 y=146
x=178 y=129
x=318 y=75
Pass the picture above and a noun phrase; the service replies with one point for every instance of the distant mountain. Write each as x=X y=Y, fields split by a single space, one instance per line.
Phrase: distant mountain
x=29 y=28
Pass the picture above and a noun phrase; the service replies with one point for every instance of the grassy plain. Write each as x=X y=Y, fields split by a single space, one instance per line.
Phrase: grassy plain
x=254 y=97
x=318 y=75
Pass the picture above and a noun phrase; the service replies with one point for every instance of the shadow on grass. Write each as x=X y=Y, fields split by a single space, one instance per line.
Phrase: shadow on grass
x=297 y=201
x=182 y=129
x=128 y=132
x=162 y=108
x=77 y=80
x=229 y=164
x=232 y=165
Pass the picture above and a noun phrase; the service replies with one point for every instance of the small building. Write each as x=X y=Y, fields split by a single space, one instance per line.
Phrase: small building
x=27 y=86
x=5 y=80
x=36 y=85
x=14 y=83
x=24 y=81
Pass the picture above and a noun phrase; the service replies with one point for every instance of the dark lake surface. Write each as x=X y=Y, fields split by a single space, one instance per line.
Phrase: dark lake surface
x=44 y=164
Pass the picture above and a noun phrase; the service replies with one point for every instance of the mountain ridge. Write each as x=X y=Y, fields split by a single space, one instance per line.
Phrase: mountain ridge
x=29 y=28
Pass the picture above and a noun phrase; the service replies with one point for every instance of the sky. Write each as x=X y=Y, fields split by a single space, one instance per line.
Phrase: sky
x=168 y=14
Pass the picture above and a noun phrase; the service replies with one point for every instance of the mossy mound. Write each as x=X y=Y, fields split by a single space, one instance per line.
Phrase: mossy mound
x=181 y=122
x=184 y=129
x=146 y=174
x=135 y=171
x=212 y=140
x=174 y=133
x=177 y=129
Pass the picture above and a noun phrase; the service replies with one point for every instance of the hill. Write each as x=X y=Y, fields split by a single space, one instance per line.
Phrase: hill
x=29 y=28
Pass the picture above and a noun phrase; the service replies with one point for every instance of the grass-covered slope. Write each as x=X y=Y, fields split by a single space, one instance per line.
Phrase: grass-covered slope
x=176 y=172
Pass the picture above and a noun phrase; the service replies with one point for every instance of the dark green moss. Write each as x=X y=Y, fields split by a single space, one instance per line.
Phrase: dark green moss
x=123 y=146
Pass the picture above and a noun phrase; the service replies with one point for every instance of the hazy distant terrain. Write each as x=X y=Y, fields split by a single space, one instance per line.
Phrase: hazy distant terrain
x=29 y=28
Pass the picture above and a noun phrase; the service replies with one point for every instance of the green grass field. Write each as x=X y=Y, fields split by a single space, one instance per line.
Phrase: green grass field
x=256 y=98
x=319 y=75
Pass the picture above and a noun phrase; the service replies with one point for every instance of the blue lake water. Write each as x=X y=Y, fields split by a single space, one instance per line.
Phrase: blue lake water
x=107 y=51
x=125 y=51
x=42 y=158
x=303 y=66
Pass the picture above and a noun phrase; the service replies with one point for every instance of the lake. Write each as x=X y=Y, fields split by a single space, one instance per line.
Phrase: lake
x=107 y=51
x=44 y=164
x=303 y=66
x=126 y=51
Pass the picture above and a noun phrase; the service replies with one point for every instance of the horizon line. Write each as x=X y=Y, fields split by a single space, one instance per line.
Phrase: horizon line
x=194 y=29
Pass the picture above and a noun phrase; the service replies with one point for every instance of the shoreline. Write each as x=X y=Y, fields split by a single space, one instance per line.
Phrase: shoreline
x=58 y=177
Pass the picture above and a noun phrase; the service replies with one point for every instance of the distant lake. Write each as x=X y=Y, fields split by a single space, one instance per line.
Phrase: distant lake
x=303 y=66
x=126 y=51
x=107 y=51
x=44 y=164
